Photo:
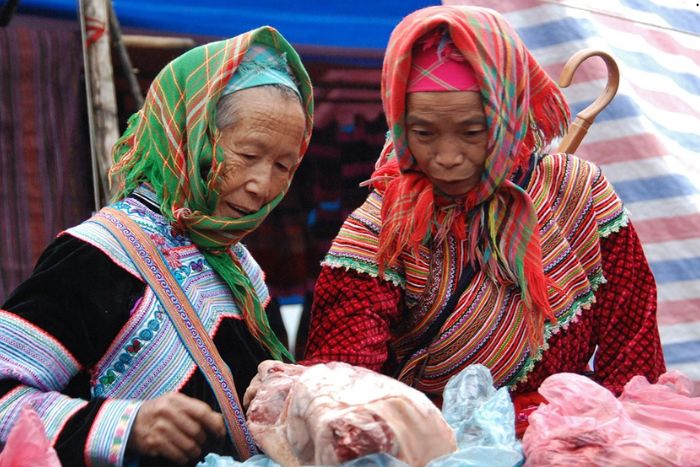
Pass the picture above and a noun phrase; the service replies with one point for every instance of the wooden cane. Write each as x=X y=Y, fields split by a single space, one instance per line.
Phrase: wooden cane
x=584 y=119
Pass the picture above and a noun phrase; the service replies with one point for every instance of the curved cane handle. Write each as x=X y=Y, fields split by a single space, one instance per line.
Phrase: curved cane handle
x=584 y=119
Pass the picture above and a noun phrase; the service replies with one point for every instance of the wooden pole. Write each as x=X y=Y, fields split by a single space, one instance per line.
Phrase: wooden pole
x=157 y=42
x=101 y=97
x=125 y=60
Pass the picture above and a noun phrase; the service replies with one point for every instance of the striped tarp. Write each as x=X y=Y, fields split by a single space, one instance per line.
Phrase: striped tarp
x=647 y=140
x=45 y=178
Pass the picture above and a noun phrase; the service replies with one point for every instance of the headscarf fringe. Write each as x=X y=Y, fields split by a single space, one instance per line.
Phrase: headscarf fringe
x=401 y=231
x=527 y=111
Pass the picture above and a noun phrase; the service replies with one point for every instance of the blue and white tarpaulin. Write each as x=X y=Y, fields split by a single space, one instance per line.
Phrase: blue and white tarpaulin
x=647 y=140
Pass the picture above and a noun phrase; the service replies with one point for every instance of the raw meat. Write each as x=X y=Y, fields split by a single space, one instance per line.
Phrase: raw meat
x=330 y=413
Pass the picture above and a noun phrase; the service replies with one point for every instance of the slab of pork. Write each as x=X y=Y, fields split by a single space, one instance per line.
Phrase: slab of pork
x=330 y=413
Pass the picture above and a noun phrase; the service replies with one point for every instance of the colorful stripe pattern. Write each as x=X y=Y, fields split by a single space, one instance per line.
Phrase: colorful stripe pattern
x=106 y=442
x=357 y=242
x=53 y=408
x=155 y=272
x=48 y=366
x=575 y=206
x=646 y=141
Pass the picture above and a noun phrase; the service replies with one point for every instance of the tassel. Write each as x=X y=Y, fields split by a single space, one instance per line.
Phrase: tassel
x=423 y=213
x=407 y=210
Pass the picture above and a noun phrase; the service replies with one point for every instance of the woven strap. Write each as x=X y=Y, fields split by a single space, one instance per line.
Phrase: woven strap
x=194 y=336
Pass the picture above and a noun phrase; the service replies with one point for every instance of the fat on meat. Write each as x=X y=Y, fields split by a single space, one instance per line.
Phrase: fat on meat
x=330 y=413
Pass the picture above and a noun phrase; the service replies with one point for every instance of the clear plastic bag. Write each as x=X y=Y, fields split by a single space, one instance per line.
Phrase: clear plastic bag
x=374 y=460
x=215 y=460
x=483 y=420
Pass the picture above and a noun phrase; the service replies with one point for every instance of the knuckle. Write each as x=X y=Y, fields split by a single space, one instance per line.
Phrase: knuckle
x=170 y=398
x=189 y=444
x=159 y=431
x=200 y=436
x=163 y=409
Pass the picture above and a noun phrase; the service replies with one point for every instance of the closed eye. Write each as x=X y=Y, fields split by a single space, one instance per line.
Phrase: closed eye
x=283 y=167
x=422 y=133
x=247 y=158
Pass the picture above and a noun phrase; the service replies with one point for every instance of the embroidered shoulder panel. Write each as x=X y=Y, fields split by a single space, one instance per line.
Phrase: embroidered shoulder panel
x=147 y=358
x=356 y=245
x=578 y=206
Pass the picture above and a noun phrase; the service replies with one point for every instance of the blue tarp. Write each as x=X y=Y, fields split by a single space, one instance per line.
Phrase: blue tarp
x=355 y=24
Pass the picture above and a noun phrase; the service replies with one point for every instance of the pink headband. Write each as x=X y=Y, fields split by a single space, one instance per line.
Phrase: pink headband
x=437 y=66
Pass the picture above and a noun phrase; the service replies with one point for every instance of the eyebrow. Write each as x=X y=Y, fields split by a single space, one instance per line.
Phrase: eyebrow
x=253 y=142
x=414 y=120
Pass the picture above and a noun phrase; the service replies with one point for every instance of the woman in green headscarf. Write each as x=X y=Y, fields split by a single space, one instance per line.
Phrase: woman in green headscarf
x=141 y=328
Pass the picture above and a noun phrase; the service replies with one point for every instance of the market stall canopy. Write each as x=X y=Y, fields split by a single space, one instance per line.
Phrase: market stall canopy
x=329 y=24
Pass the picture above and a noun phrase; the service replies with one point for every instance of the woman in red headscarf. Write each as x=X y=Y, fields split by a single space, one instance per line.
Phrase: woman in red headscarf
x=476 y=245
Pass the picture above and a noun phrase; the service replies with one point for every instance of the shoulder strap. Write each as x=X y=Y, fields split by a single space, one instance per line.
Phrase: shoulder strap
x=194 y=337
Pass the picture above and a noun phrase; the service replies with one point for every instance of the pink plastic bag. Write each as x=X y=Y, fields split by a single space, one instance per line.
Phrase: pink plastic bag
x=27 y=443
x=653 y=425
x=666 y=406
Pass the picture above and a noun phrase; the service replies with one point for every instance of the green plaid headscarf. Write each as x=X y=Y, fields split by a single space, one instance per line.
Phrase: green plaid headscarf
x=172 y=143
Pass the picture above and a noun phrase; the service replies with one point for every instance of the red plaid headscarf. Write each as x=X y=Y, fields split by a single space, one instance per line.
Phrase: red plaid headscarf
x=524 y=110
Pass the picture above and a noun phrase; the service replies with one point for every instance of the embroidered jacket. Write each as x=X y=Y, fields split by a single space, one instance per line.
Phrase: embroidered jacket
x=600 y=289
x=85 y=356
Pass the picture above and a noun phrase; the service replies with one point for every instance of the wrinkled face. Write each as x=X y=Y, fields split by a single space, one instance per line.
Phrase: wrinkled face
x=261 y=151
x=447 y=136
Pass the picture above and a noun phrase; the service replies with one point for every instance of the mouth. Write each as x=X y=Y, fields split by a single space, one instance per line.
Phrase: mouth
x=240 y=211
x=454 y=183
x=451 y=182
x=454 y=187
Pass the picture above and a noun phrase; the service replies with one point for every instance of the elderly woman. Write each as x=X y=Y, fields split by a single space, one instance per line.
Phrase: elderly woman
x=141 y=328
x=475 y=245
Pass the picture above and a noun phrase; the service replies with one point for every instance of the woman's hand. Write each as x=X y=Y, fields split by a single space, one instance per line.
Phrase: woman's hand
x=174 y=426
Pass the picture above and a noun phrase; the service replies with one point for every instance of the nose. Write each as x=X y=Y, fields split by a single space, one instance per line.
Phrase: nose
x=259 y=182
x=449 y=153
